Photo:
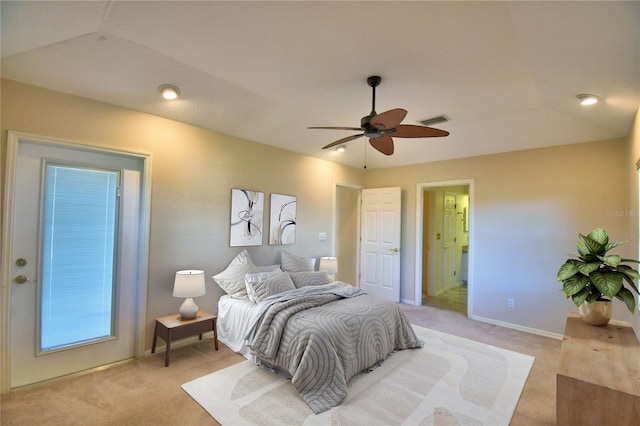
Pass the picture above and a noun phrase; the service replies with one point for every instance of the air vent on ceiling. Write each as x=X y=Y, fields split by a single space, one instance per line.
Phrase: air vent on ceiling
x=435 y=120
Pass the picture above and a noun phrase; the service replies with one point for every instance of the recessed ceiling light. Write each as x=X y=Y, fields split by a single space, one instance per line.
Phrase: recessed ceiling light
x=588 y=99
x=341 y=148
x=169 y=92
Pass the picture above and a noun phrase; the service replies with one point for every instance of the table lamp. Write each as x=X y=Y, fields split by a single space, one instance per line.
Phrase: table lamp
x=189 y=284
x=329 y=265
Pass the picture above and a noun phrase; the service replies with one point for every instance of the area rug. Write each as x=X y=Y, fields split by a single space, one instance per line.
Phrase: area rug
x=450 y=381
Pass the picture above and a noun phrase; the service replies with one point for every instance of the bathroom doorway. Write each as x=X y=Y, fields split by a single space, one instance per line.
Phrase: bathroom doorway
x=444 y=244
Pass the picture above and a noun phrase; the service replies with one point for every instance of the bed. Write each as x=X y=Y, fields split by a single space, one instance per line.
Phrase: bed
x=315 y=331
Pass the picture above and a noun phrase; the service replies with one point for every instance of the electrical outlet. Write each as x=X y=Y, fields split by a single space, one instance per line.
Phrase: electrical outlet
x=322 y=236
x=510 y=303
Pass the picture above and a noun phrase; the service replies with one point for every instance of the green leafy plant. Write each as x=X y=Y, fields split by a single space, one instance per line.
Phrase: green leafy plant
x=594 y=275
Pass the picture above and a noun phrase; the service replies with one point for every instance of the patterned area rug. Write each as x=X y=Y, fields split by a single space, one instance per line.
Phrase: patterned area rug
x=451 y=381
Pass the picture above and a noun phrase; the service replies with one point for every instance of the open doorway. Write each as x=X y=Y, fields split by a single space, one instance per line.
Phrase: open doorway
x=346 y=232
x=444 y=244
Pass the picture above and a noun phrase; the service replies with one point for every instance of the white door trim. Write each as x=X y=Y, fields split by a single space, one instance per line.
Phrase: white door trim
x=420 y=187
x=13 y=140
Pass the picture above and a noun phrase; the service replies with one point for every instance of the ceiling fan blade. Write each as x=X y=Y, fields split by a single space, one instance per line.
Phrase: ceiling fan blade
x=384 y=144
x=336 y=128
x=389 y=119
x=343 y=140
x=414 y=131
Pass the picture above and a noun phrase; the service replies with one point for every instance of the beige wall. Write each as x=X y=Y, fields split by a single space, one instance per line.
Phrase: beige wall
x=527 y=210
x=528 y=205
x=193 y=173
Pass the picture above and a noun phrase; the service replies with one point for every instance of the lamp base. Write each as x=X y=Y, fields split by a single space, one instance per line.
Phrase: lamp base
x=188 y=309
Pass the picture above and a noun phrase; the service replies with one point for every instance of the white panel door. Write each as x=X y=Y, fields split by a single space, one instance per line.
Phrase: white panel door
x=380 y=251
x=31 y=358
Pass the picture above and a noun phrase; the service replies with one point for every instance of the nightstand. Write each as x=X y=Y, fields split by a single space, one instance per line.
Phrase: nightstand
x=171 y=328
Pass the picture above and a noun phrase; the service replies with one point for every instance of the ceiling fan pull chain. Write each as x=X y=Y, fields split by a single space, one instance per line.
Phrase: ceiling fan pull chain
x=365 y=155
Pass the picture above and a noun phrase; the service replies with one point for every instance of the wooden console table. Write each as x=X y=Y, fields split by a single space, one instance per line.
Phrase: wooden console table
x=598 y=380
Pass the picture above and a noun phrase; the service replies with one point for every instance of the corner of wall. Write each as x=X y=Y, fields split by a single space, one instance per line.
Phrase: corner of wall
x=634 y=202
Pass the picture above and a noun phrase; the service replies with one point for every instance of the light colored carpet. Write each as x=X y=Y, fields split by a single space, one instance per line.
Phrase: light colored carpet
x=450 y=381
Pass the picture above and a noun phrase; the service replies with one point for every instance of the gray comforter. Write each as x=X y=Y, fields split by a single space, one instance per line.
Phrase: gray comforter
x=324 y=335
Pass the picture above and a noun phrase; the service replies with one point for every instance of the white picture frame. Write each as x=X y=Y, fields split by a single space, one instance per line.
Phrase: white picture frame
x=247 y=217
x=283 y=221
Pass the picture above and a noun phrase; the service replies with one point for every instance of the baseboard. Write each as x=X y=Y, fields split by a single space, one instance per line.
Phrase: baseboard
x=504 y=324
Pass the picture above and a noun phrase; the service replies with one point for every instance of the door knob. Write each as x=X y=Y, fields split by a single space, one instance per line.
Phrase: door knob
x=395 y=249
x=21 y=279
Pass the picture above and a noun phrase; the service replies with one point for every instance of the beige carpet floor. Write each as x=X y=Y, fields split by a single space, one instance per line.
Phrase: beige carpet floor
x=144 y=392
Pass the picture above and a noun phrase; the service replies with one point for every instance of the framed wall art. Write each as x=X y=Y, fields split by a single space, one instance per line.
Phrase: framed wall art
x=282 y=225
x=247 y=213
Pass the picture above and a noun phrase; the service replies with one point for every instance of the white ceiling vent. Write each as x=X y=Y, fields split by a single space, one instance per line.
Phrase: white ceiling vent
x=435 y=120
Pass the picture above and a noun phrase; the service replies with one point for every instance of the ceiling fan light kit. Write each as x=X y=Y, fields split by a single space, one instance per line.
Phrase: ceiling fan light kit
x=380 y=128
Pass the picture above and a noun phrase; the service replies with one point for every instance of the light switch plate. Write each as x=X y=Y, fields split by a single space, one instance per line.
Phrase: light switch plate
x=322 y=236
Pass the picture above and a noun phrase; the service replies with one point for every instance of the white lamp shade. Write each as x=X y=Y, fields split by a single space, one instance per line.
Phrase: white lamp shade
x=328 y=264
x=189 y=283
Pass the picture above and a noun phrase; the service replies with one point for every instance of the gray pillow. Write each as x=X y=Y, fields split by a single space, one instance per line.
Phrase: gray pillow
x=293 y=263
x=263 y=284
x=305 y=279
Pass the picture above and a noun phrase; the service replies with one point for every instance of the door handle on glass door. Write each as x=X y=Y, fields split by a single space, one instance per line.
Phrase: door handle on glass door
x=21 y=279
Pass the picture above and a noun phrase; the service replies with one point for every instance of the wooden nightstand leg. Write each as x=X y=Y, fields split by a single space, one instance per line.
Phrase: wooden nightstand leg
x=215 y=333
x=155 y=339
x=168 y=350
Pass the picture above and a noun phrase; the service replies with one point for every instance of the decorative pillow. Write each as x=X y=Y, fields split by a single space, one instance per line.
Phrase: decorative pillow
x=264 y=284
x=305 y=279
x=255 y=280
x=293 y=263
x=254 y=283
x=231 y=280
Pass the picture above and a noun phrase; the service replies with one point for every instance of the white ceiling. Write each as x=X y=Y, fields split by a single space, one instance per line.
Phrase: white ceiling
x=506 y=73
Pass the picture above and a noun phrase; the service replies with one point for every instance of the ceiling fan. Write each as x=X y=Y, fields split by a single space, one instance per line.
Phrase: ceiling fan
x=379 y=128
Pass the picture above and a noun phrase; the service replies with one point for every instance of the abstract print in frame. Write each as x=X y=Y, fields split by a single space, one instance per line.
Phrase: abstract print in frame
x=247 y=211
x=283 y=219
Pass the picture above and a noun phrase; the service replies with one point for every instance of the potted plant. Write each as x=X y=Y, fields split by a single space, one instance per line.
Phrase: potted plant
x=593 y=278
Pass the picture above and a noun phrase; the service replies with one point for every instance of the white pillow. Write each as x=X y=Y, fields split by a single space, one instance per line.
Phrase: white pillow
x=293 y=263
x=264 y=284
x=267 y=268
x=305 y=279
x=231 y=280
